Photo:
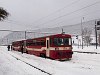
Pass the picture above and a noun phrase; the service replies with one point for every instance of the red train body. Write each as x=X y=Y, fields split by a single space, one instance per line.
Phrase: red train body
x=57 y=47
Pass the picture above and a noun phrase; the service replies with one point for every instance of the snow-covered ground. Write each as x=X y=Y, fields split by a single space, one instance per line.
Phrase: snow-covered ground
x=80 y=64
x=87 y=49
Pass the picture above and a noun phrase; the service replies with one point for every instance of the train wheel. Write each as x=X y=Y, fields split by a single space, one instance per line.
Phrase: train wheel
x=42 y=55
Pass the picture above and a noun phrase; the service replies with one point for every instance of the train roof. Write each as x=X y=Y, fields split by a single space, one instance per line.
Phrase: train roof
x=58 y=35
x=55 y=35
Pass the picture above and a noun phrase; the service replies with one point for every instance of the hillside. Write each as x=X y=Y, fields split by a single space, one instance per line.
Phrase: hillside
x=68 y=29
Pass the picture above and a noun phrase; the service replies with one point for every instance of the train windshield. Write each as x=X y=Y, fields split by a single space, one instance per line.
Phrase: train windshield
x=62 y=41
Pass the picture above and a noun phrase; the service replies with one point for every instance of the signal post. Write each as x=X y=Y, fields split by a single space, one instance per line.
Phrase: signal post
x=97 y=27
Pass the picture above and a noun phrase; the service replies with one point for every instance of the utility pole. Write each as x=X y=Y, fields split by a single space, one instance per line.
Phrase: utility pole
x=97 y=27
x=99 y=39
x=25 y=43
x=96 y=34
x=25 y=34
x=82 y=30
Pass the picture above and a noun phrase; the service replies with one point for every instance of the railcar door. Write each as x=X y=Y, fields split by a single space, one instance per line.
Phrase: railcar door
x=47 y=47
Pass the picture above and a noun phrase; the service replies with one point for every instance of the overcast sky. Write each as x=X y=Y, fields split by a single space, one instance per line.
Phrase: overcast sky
x=35 y=14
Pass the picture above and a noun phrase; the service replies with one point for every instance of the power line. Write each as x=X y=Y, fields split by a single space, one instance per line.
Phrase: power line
x=11 y=30
x=72 y=12
x=74 y=2
x=18 y=23
x=14 y=22
x=28 y=32
x=76 y=17
x=62 y=15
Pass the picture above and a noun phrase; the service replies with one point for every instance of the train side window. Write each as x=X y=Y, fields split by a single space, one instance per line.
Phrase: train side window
x=50 y=41
x=58 y=41
x=55 y=41
x=43 y=43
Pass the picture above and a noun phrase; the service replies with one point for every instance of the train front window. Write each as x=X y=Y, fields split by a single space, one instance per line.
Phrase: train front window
x=62 y=41
x=66 y=41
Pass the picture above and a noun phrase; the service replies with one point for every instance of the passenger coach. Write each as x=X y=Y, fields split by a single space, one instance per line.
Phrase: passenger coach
x=57 y=47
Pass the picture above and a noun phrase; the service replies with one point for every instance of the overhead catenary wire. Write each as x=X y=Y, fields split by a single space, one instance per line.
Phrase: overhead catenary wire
x=70 y=19
x=74 y=2
x=57 y=23
x=76 y=18
x=27 y=31
x=11 y=21
x=18 y=23
x=11 y=30
x=61 y=15
x=53 y=19
x=71 y=12
x=15 y=22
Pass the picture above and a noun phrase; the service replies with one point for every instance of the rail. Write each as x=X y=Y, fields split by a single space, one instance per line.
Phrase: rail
x=87 y=52
x=32 y=65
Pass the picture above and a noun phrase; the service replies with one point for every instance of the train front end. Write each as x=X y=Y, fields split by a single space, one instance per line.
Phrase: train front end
x=60 y=47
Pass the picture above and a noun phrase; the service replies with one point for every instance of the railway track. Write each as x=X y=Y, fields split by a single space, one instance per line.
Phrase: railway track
x=44 y=71
x=31 y=65
x=86 y=52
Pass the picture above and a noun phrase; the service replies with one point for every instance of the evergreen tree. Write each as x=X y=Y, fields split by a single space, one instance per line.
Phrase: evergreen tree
x=3 y=14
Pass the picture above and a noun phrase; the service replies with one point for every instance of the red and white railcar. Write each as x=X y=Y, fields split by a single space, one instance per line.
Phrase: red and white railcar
x=57 y=47
x=16 y=45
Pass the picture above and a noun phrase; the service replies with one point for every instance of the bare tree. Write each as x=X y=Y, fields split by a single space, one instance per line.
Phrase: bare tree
x=3 y=14
x=86 y=35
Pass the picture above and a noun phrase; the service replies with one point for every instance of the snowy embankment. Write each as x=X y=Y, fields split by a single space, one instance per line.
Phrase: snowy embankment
x=80 y=64
x=87 y=49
